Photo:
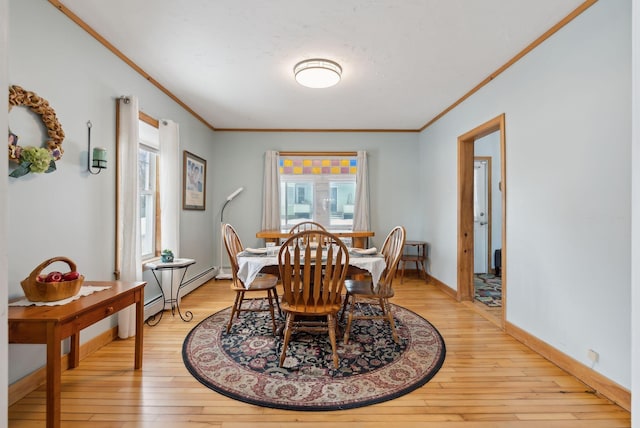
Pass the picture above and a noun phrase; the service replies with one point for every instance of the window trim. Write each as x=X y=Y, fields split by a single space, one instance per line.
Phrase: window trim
x=345 y=154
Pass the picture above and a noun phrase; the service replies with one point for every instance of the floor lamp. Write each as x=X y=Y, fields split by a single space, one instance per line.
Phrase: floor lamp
x=221 y=274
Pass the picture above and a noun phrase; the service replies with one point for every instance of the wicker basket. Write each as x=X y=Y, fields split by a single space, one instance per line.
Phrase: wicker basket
x=38 y=291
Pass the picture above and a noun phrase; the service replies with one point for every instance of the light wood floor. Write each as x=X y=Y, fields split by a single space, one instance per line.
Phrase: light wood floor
x=488 y=380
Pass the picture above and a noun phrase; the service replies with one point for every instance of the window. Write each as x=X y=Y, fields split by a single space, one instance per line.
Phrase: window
x=149 y=190
x=318 y=188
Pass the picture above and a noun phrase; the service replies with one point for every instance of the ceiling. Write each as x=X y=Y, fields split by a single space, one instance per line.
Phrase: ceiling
x=404 y=61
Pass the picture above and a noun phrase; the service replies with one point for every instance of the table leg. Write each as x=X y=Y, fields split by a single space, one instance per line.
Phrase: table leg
x=359 y=242
x=74 y=350
x=139 y=328
x=54 y=373
x=188 y=316
x=423 y=260
x=151 y=320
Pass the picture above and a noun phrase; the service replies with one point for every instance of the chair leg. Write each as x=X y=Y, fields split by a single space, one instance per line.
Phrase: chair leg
x=241 y=293
x=344 y=306
x=404 y=265
x=273 y=317
x=347 y=329
x=288 y=326
x=331 y=324
x=235 y=309
x=275 y=294
x=392 y=323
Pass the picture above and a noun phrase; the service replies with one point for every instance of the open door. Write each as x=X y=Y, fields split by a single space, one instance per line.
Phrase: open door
x=481 y=215
x=467 y=203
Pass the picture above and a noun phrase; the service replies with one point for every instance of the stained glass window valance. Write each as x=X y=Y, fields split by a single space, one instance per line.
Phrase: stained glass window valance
x=318 y=165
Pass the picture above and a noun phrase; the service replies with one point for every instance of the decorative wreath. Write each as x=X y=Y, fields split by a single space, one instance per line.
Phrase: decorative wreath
x=41 y=107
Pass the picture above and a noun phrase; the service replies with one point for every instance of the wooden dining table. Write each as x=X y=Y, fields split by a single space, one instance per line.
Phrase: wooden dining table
x=254 y=262
x=250 y=264
x=359 y=238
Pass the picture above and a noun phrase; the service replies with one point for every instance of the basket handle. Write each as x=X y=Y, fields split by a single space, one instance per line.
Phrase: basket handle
x=34 y=274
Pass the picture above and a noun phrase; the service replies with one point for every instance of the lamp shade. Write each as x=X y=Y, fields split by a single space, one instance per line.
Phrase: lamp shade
x=234 y=194
x=317 y=73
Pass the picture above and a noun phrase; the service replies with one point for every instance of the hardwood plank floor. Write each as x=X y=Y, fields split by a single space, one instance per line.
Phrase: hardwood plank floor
x=488 y=380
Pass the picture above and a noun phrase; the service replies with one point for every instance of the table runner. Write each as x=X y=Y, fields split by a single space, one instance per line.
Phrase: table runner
x=85 y=290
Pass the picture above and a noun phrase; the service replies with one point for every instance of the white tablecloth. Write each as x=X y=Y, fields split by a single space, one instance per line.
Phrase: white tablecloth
x=85 y=290
x=250 y=265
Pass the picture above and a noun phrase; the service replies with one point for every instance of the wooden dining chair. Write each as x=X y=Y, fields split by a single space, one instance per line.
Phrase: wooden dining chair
x=365 y=293
x=264 y=283
x=307 y=225
x=313 y=279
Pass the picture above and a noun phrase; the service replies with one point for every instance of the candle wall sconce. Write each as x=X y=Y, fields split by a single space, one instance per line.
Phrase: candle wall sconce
x=99 y=155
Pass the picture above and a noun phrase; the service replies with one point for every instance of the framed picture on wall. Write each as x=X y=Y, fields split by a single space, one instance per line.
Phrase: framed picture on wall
x=194 y=182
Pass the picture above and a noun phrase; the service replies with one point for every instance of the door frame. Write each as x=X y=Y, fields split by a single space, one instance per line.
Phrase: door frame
x=466 y=142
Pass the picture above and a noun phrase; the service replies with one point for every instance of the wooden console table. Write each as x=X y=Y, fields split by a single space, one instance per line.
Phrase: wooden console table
x=359 y=237
x=50 y=324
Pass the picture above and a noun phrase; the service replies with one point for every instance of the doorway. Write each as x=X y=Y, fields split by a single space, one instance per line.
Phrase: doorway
x=470 y=232
x=482 y=215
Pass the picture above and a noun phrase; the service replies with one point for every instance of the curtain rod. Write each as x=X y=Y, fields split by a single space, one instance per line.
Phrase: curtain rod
x=318 y=153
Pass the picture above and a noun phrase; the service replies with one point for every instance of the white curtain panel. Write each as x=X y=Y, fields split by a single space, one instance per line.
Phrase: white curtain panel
x=361 y=220
x=271 y=191
x=129 y=240
x=169 y=136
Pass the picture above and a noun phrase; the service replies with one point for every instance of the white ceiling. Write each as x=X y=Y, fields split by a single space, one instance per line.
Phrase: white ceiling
x=404 y=61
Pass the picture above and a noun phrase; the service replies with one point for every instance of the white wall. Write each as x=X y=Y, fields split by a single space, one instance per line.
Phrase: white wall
x=70 y=212
x=635 y=219
x=393 y=174
x=4 y=381
x=567 y=108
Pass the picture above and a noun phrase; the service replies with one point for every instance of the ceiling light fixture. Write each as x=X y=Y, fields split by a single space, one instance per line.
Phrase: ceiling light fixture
x=317 y=73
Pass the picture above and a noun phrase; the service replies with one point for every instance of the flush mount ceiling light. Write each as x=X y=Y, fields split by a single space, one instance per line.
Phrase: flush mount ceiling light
x=317 y=73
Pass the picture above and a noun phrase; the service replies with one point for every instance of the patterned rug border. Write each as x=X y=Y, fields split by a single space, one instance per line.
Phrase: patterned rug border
x=435 y=367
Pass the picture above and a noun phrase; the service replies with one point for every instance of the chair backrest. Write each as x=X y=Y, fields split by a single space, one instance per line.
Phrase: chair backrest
x=308 y=226
x=391 y=251
x=234 y=247
x=313 y=276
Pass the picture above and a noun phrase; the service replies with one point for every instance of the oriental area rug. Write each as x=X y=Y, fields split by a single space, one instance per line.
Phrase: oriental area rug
x=244 y=363
x=488 y=289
